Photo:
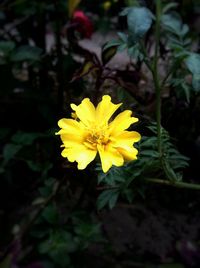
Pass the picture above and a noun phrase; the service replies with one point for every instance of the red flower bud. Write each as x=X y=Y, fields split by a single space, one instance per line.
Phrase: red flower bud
x=84 y=24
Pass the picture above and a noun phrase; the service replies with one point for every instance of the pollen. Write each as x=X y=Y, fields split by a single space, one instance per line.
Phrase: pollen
x=96 y=138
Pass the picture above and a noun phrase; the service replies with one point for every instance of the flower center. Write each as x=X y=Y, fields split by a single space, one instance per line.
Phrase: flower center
x=96 y=138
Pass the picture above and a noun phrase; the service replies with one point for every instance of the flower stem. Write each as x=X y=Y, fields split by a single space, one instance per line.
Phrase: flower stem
x=177 y=184
x=156 y=76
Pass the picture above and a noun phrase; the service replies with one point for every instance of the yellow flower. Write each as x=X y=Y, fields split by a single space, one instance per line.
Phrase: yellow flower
x=94 y=133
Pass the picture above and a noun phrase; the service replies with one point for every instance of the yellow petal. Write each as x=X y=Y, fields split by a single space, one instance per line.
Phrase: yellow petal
x=105 y=109
x=122 y=121
x=125 y=138
x=85 y=111
x=128 y=153
x=69 y=126
x=82 y=155
x=70 y=140
x=109 y=156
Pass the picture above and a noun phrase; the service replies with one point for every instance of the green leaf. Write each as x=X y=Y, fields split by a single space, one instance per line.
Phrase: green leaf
x=57 y=247
x=50 y=214
x=123 y=37
x=33 y=165
x=6 y=47
x=125 y=11
x=85 y=69
x=107 y=197
x=108 y=53
x=193 y=64
x=27 y=53
x=139 y=21
x=169 y=172
x=87 y=233
x=172 y=23
x=112 y=43
x=169 y=6
x=113 y=199
x=10 y=150
x=25 y=138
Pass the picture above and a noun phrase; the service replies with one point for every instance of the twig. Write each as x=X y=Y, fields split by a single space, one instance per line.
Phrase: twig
x=177 y=184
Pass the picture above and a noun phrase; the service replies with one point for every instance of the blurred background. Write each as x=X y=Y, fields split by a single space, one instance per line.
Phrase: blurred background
x=51 y=55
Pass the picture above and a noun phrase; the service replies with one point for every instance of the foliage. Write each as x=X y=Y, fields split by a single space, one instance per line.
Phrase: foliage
x=123 y=181
x=53 y=216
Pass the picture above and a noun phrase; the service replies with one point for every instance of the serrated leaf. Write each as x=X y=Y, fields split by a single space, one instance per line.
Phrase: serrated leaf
x=105 y=197
x=185 y=29
x=113 y=199
x=57 y=247
x=172 y=22
x=169 y=172
x=193 y=64
x=139 y=20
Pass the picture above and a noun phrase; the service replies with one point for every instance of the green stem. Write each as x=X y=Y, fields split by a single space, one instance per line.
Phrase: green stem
x=156 y=76
x=176 y=184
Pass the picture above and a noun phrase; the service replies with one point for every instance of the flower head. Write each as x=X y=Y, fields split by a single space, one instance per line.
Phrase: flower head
x=93 y=132
x=84 y=24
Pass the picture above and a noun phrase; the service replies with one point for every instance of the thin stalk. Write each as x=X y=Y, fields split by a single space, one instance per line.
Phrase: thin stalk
x=156 y=76
x=176 y=184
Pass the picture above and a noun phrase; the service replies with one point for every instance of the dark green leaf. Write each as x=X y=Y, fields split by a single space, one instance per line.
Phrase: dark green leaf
x=113 y=199
x=25 y=138
x=50 y=214
x=108 y=53
x=123 y=37
x=105 y=197
x=172 y=23
x=125 y=11
x=169 y=6
x=10 y=150
x=6 y=47
x=112 y=43
x=193 y=64
x=57 y=247
x=139 y=21
x=27 y=53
